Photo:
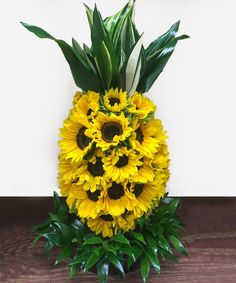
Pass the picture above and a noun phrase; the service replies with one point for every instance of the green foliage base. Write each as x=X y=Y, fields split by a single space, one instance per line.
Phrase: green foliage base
x=154 y=237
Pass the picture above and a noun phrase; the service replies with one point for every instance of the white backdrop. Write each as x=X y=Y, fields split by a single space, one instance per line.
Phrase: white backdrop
x=195 y=94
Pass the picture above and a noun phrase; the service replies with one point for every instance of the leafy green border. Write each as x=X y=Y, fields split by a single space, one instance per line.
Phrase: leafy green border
x=154 y=237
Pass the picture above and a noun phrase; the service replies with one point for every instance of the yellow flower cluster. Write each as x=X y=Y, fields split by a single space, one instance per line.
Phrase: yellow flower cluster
x=113 y=165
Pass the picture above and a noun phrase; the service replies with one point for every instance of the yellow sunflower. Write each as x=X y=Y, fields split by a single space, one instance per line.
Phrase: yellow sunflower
x=115 y=100
x=128 y=221
x=147 y=194
x=117 y=199
x=88 y=104
x=108 y=131
x=148 y=137
x=75 y=143
x=104 y=224
x=77 y=96
x=145 y=171
x=141 y=106
x=92 y=174
x=87 y=203
x=121 y=164
x=67 y=171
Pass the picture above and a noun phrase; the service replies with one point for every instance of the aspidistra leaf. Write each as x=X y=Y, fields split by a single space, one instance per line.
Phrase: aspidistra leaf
x=83 y=76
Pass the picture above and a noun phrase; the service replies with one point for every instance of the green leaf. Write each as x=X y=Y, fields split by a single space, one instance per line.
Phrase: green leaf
x=162 y=242
x=102 y=271
x=151 y=242
x=161 y=41
x=155 y=66
x=39 y=236
x=128 y=251
x=65 y=253
x=56 y=239
x=110 y=248
x=83 y=76
x=145 y=268
x=153 y=259
x=81 y=257
x=93 y=241
x=178 y=245
x=48 y=246
x=89 y=13
x=121 y=239
x=73 y=270
x=133 y=68
x=56 y=199
x=92 y=260
x=67 y=231
x=137 y=236
x=116 y=262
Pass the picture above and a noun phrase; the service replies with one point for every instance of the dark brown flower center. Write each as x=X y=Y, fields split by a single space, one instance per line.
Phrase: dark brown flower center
x=109 y=130
x=116 y=191
x=123 y=161
x=93 y=195
x=114 y=100
x=138 y=189
x=139 y=135
x=81 y=139
x=141 y=159
x=97 y=168
x=90 y=111
x=107 y=217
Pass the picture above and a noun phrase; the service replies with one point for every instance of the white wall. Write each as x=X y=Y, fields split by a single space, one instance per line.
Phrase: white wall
x=195 y=94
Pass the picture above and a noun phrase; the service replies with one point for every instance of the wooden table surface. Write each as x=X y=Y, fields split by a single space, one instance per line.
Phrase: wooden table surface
x=210 y=238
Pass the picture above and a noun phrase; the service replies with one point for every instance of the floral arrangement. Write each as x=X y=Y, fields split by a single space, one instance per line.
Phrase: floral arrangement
x=114 y=160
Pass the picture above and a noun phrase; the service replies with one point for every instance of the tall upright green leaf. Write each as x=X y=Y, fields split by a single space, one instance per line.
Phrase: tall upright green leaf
x=83 y=76
x=155 y=66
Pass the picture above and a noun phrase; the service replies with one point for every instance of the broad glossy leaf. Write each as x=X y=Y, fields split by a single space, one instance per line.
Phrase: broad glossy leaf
x=65 y=253
x=67 y=231
x=48 y=246
x=92 y=260
x=133 y=68
x=156 y=66
x=128 y=251
x=162 y=242
x=89 y=13
x=80 y=258
x=151 y=242
x=144 y=268
x=56 y=199
x=56 y=239
x=121 y=239
x=162 y=41
x=84 y=77
x=137 y=236
x=178 y=245
x=153 y=259
x=93 y=241
x=116 y=262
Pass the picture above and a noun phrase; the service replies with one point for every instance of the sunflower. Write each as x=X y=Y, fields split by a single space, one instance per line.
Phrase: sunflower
x=77 y=96
x=88 y=104
x=75 y=143
x=147 y=194
x=108 y=131
x=128 y=221
x=92 y=174
x=141 y=106
x=117 y=199
x=121 y=164
x=148 y=137
x=105 y=224
x=115 y=100
x=87 y=203
x=67 y=171
x=145 y=171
